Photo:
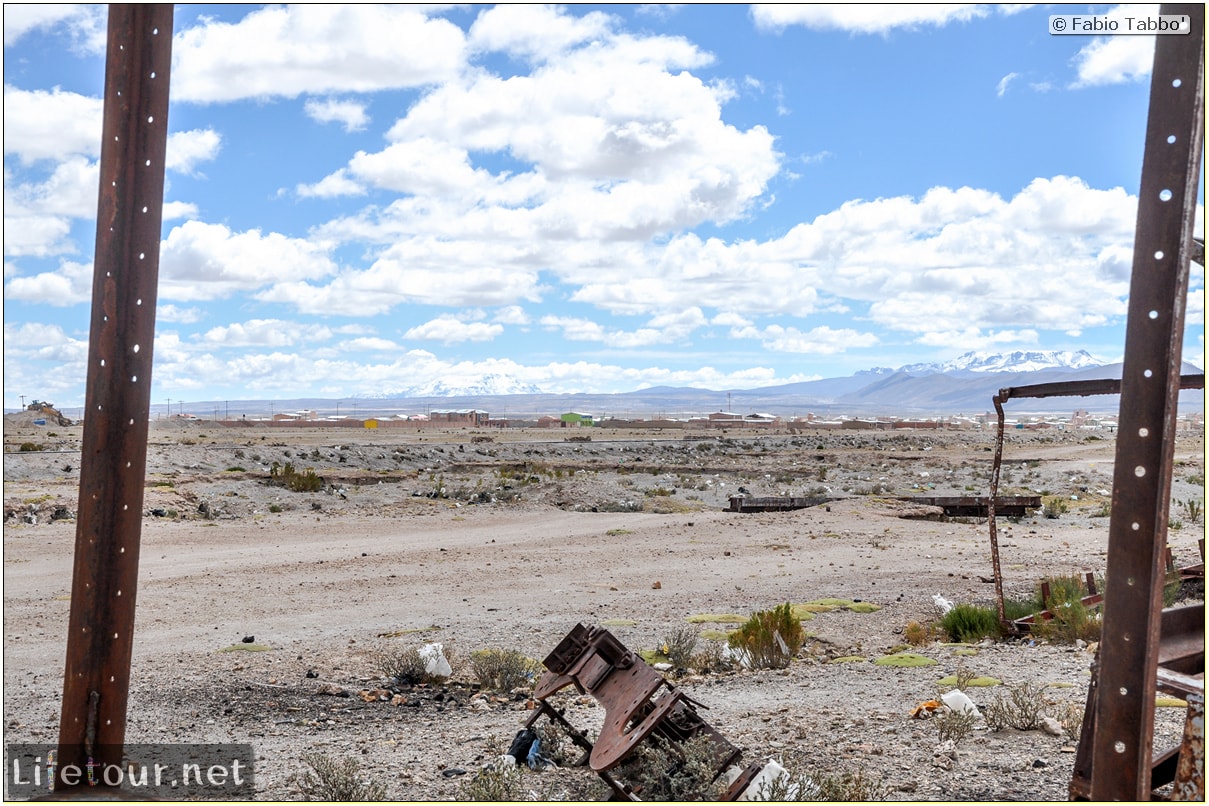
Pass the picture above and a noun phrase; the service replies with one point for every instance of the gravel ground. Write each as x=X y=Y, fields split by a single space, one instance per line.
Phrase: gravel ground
x=508 y=539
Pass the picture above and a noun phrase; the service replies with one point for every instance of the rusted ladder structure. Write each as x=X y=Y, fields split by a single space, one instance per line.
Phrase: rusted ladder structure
x=113 y=464
x=1116 y=759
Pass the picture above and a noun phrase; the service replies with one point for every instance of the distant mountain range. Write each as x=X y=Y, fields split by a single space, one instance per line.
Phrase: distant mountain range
x=963 y=385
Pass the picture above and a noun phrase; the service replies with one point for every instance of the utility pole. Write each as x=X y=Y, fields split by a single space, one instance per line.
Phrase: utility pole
x=22 y=402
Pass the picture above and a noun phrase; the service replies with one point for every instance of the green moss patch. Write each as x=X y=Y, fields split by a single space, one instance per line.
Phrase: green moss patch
x=829 y=604
x=966 y=652
x=977 y=682
x=849 y=659
x=904 y=659
x=619 y=622
x=714 y=635
x=1169 y=702
x=716 y=618
x=652 y=656
x=246 y=648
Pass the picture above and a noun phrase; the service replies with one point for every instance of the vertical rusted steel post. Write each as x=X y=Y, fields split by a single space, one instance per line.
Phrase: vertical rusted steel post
x=1163 y=248
x=117 y=400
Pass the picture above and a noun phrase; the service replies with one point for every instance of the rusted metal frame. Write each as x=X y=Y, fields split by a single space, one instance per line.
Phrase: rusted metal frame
x=117 y=399
x=1107 y=386
x=1163 y=246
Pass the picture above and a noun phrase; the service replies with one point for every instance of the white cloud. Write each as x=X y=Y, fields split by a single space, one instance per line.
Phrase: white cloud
x=350 y=114
x=286 y=51
x=200 y=261
x=186 y=149
x=266 y=333
x=331 y=186
x=821 y=340
x=535 y=31
x=511 y=315
x=173 y=314
x=1002 y=86
x=51 y=125
x=70 y=284
x=86 y=24
x=864 y=18
x=451 y=330
x=663 y=329
x=176 y=209
x=1117 y=59
x=38 y=215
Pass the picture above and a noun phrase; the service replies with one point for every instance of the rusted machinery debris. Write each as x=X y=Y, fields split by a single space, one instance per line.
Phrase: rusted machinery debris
x=639 y=703
x=747 y=503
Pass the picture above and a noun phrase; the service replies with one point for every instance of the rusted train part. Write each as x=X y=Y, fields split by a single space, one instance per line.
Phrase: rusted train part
x=639 y=703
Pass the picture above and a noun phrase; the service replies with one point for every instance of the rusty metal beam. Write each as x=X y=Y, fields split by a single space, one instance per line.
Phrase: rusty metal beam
x=117 y=400
x=1107 y=386
x=1163 y=248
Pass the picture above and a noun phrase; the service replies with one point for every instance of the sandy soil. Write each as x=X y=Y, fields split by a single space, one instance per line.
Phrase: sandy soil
x=508 y=539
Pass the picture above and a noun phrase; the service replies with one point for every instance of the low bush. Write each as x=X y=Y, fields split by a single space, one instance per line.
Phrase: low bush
x=770 y=638
x=678 y=646
x=330 y=779
x=503 y=669
x=970 y=623
x=1021 y=707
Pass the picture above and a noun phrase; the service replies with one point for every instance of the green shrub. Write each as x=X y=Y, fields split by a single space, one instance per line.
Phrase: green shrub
x=1054 y=507
x=969 y=623
x=494 y=783
x=770 y=638
x=332 y=779
x=503 y=669
x=678 y=646
x=288 y=476
x=27 y=447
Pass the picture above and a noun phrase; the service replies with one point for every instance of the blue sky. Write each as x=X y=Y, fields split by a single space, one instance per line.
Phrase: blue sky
x=372 y=199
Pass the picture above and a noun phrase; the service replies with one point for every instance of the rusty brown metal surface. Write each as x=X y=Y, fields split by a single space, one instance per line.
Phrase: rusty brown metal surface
x=1107 y=386
x=1189 y=784
x=117 y=399
x=1163 y=248
x=638 y=701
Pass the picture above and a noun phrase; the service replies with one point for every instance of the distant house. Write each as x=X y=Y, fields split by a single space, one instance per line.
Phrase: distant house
x=574 y=419
x=463 y=417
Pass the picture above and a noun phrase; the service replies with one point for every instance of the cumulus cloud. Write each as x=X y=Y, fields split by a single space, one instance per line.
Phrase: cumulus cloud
x=448 y=329
x=85 y=24
x=70 y=284
x=287 y=51
x=1116 y=59
x=55 y=125
x=266 y=333
x=534 y=31
x=863 y=18
x=200 y=261
x=174 y=314
x=350 y=114
x=186 y=149
x=821 y=340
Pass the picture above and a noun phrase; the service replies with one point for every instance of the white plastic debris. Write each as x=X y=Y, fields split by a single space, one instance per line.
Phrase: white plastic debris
x=761 y=786
x=959 y=702
x=941 y=602
x=435 y=662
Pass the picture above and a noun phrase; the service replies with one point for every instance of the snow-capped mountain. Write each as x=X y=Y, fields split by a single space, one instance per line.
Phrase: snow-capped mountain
x=474 y=387
x=479 y=386
x=1018 y=361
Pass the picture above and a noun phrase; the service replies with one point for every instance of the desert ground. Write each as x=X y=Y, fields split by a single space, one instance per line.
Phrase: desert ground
x=506 y=539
